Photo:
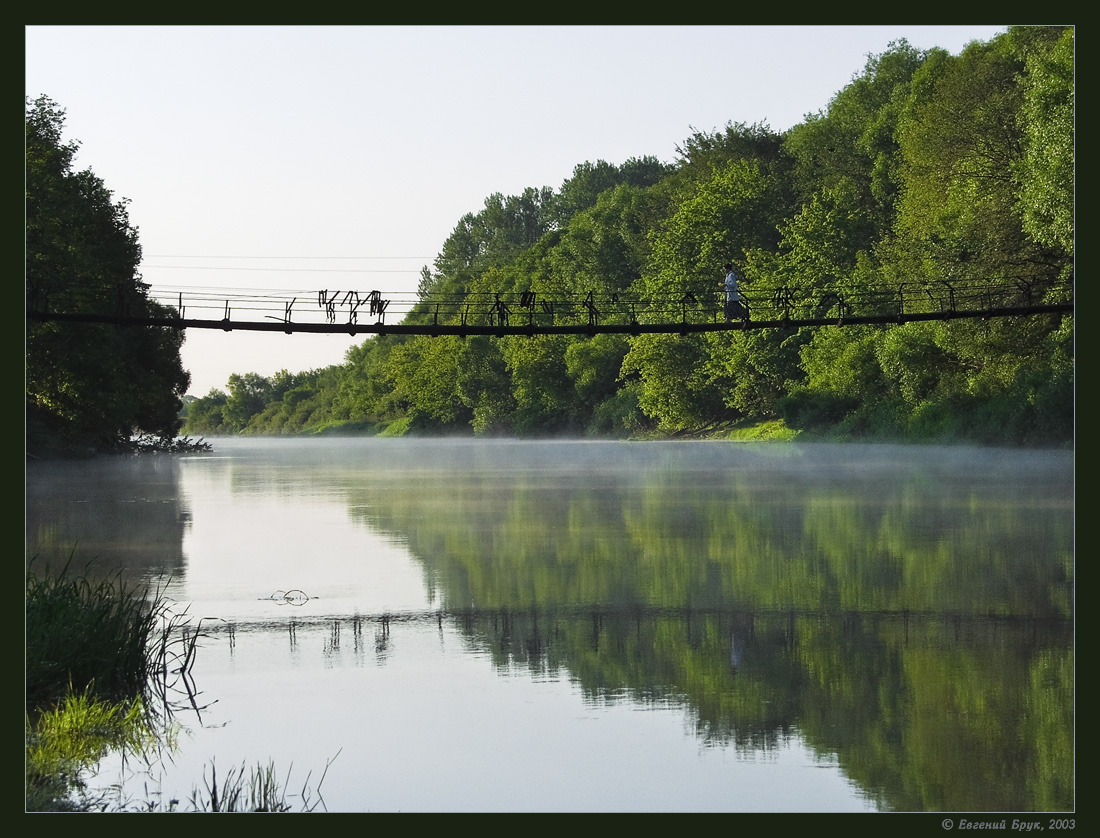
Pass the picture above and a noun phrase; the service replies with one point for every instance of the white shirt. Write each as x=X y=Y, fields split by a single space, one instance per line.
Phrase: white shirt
x=731 y=288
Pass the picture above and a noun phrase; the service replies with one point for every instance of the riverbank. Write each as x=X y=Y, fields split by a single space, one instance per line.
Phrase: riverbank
x=766 y=430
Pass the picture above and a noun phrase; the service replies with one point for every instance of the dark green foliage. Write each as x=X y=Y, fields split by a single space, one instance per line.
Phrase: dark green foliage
x=89 y=387
x=705 y=152
x=807 y=409
x=206 y=414
x=619 y=415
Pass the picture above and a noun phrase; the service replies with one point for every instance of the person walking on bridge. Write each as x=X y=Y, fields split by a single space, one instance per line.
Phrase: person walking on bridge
x=735 y=310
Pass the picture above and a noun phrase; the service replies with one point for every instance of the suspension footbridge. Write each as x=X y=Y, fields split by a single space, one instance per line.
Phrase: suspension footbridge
x=531 y=312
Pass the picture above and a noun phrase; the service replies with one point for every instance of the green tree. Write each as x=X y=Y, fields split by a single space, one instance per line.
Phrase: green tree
x=204 y=414
x=605 y=247
x=89 y=386
x=981 y=163
x=366 y=392
x=1047 y=169
x=854 y=140
x=249 y=394
x=682 y=385
x=485 y=386
x=591 y=180
x=424 y=372
x=541 y=386
x=675 y=386
x=595 y=365
x=704 y=152
x=964 y=144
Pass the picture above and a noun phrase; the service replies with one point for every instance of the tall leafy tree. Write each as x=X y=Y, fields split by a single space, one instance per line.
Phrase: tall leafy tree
x=591 y=180
x=854 y=139
x=484 y=383
x=964 y=139
x=365 y=392
x=89 y=387
x=1046 y=171
x=424 y=374
x=249 y=394
x=721 y=218
x=704 y=152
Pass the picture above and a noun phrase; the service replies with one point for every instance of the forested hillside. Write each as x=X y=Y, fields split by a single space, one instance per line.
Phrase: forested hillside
x=927 y=168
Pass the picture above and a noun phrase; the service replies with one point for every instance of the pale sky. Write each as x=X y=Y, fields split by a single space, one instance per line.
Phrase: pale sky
x=311 y=143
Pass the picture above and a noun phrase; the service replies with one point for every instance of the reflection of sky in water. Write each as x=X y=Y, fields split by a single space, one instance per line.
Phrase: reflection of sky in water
x=274 y=539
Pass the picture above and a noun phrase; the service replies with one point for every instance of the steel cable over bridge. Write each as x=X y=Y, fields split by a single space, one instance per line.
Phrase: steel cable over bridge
x=537 y=313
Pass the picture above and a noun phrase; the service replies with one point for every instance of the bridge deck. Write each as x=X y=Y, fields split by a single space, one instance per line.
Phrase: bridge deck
x=682 y=327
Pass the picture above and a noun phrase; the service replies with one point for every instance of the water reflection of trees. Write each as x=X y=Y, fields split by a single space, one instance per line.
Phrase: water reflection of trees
x=932 y=712
x=712 y=538
x=929 y=712
x=916 y=625
x=111 y=514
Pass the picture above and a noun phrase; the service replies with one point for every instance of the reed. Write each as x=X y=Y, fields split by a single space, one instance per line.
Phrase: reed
x=99 y=635
x=255 y=790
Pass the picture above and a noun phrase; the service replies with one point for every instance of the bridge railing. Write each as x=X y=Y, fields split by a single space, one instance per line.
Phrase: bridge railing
x=530 y=308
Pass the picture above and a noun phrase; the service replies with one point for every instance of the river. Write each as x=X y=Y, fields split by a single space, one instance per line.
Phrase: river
x=494 y=626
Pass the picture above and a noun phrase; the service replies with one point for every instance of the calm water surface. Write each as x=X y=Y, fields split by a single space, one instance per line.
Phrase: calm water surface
x=502 y=626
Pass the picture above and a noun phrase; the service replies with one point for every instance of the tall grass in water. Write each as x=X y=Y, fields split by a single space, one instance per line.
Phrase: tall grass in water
x=258 y=790
x=70 y=739
x=106 y=666
x=100 y=656
x=103 y=636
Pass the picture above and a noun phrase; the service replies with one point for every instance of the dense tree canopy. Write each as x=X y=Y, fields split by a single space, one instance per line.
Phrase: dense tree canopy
x=89 y=387
x=928 y=169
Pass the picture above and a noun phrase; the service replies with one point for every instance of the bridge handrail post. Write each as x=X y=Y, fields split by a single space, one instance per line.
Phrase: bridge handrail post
x=687 y=298
x=527 y=301
x=593 y=312
x=1027 y=288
